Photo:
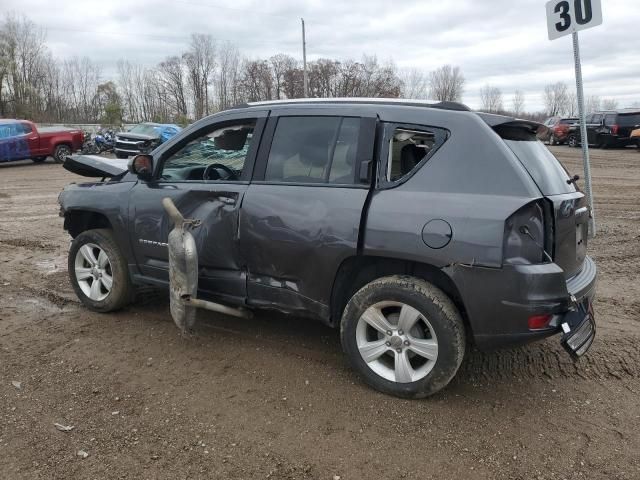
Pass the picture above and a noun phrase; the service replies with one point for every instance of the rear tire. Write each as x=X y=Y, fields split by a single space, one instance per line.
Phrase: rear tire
x=61 y=153
x=98 y=271
x=552 y=140
x=572 y=141
x=427 y=341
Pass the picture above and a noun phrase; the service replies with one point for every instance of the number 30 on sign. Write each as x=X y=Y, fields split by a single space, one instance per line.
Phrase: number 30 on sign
x=567 y=16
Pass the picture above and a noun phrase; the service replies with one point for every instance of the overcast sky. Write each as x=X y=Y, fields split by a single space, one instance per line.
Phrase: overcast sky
x=501 y=42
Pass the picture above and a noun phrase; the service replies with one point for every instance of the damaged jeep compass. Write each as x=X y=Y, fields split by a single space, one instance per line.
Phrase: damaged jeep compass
x=417 y=229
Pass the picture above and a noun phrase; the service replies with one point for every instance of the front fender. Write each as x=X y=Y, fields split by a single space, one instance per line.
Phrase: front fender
x=107 y=199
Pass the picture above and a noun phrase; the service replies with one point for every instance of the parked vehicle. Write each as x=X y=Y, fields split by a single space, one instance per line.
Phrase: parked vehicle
x=143 y=138
x=379 y=217
x=607 y=129
x=557 y=130
x=635 y=136
x=21 y=140
x=104 y=141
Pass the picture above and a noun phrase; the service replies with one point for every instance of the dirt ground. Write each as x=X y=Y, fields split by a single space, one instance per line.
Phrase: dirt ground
x=273 y=397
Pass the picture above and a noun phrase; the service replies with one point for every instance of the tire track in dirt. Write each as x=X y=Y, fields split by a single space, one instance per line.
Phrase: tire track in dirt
x=30 y=244
x=607 y=359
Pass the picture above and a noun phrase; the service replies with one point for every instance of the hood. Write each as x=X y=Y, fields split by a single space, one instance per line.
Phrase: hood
x=95 y=166
x=137 y=136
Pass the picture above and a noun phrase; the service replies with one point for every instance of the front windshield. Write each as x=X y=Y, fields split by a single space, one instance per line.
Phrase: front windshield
x=146 y=129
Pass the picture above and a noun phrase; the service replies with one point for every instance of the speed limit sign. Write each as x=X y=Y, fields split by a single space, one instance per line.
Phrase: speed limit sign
x=569 y=16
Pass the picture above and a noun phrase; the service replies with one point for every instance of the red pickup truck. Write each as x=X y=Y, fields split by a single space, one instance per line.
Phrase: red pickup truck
x=21 y=139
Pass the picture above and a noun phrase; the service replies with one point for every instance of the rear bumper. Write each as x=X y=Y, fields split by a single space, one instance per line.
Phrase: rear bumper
x=499 y=302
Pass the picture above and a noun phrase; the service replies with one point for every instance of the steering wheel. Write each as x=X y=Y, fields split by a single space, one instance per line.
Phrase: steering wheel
x=231 y=175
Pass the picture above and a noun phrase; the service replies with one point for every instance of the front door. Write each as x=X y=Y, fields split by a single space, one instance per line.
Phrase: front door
x=206 y=173
x=301 y=214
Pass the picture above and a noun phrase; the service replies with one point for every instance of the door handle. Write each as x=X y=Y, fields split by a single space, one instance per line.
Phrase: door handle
x=228 y=200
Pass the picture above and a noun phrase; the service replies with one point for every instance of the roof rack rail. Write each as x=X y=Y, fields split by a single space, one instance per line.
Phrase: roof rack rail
x=363 y=100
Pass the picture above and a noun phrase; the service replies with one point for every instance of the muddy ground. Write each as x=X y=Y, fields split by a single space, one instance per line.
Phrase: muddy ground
x=273 y=397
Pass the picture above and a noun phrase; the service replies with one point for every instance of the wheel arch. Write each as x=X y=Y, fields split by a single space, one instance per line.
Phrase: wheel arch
x=66 y=143
x=356 y=271
x=78 y=221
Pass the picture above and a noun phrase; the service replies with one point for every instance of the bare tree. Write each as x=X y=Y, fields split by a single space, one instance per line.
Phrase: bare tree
x=517 y=103
x=572 y=105
x=200 y=61
x=256 y=80
x=228 y=90
x=293 y=81
x=556 y=98
x=23 y=54
x=377 y=80
x=592 y=103
x=491 y=98
x=172 y=78
x=446 y=84
x=609 y=104
x=280 y=65
x=415 y=83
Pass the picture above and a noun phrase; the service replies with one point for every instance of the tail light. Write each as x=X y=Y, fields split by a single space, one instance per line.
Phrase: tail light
x=524 y=236
x=537 y=322
x=614 y=129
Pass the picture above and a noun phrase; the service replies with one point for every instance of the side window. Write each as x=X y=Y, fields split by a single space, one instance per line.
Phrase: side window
x=24 y=128
x=610 y=119
x=313 y=150
x=5 y=131
x=407 y=148
x=597 y=118
x=219 y=154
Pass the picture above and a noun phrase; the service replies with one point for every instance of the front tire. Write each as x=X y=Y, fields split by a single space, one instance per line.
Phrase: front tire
x=122 y=155
x=573 y=141
x=553 y=141
x=98 y=271
x=61 y=152
x=404 y=336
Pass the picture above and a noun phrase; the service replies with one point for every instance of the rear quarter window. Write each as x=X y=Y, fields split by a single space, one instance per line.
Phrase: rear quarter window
x=629 y=120
x=546 y=170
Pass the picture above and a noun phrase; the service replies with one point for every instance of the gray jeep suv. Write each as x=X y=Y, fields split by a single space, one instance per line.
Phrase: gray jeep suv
x=416 y=228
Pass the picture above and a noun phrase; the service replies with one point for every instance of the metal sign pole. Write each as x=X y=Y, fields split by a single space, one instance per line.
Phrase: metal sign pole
x=583 y=136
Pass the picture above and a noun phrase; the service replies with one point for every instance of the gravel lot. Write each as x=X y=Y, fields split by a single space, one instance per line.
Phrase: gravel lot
x=273 y=397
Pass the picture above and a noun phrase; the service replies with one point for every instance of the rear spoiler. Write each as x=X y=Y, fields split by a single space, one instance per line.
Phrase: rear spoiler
x=502 y=124
x=95 y=166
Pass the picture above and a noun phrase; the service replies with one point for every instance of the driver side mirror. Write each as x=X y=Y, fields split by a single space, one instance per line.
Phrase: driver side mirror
x=142 y=166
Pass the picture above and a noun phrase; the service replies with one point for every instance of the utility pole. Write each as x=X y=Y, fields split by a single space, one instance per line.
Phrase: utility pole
x=304 y=62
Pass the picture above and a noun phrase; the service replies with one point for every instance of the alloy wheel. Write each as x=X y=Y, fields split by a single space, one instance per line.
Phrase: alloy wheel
x=62 y=153
x=93 y=272
x=397 y=342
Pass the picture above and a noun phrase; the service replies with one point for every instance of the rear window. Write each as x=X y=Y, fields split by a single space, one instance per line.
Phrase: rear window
x=630 y=120
x=568 y=121
x=545 y=169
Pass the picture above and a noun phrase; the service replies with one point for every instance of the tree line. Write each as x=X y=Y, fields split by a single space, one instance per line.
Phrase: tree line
x=210 y=76
x=557 y=97
x=207 y=77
